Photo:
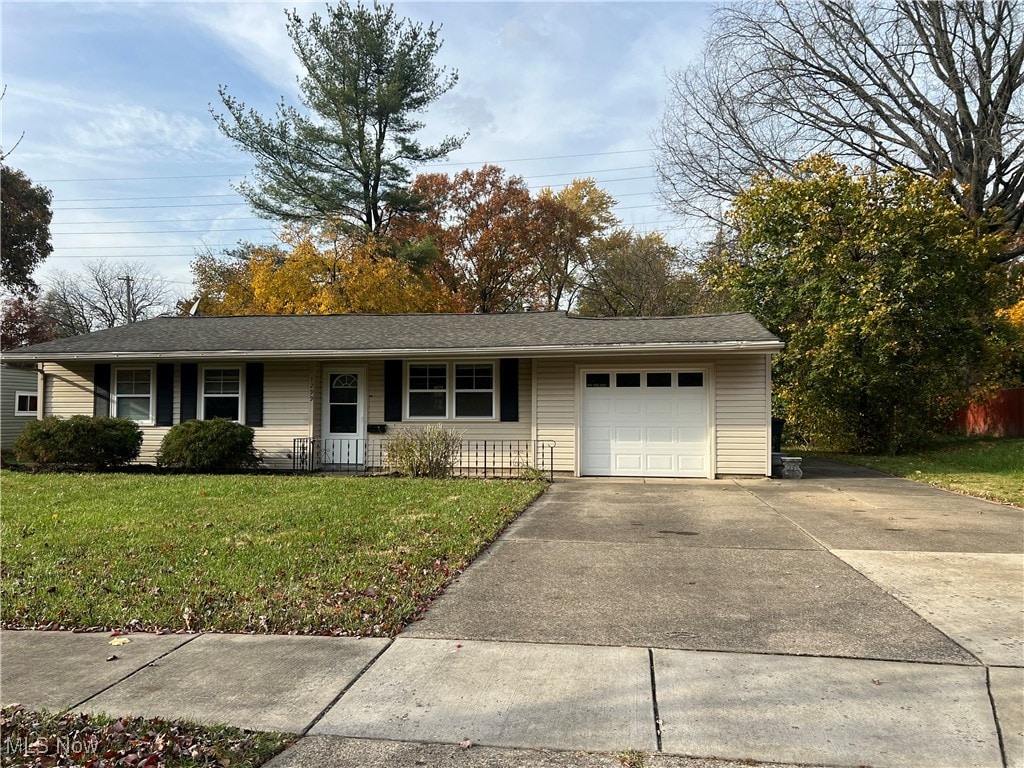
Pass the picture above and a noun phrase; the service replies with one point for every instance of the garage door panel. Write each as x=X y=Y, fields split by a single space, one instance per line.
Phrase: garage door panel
x=660 y=407
x=660 y=463
x=630 y=462
x=628 y=435
x=629 y=408
x=661 y=435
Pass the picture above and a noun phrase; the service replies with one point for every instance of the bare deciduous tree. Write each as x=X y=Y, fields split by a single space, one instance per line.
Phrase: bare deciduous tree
x=936 y=87
x=104 y=295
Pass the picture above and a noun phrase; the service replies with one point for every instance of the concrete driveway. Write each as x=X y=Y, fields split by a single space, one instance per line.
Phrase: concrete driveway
x=846 y=562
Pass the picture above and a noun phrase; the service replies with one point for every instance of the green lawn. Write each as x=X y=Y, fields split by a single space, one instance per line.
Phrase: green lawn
x=242 y=553
x=992 y=468
x=46 y=739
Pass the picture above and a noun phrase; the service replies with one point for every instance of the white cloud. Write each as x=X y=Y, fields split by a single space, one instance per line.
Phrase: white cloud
x=255 y=32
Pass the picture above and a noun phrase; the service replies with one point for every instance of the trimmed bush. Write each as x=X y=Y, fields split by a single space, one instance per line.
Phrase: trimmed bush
x=426 y=452
x=87 y=442
x=215 y=445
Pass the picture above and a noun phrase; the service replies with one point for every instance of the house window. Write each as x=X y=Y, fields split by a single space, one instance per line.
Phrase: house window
x=133 y=394
x=222 y=393
x=474 y=390
x=691 y=379
x=26 y=403
x=428 y=391
x=627 y=379
x=659 y=379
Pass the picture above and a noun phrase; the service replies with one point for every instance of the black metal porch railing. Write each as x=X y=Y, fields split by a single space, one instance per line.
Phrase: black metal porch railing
x=473 y=458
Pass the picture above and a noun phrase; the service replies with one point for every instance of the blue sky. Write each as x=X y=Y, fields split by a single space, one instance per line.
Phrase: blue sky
x=114 y=99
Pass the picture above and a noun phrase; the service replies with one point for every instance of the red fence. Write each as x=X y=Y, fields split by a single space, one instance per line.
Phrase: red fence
x=1001 y=416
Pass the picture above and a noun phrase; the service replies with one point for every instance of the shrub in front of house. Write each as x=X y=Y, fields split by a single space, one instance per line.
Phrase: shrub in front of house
x=215 y=445
x=87 y=442
x=428 y=452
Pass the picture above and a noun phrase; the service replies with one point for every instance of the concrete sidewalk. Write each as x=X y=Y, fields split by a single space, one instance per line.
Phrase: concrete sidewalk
x=567 y=698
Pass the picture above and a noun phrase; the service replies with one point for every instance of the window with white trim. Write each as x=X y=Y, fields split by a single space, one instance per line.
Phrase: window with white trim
x=474 y=390
x=428 y=390
x=222 y=393
x=133 y=394
x=26 y=403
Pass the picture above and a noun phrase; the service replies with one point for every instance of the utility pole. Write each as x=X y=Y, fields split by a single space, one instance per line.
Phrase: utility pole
x=130 y=305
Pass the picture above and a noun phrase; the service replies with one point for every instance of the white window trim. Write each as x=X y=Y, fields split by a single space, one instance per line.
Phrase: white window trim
x=152 y=392
x=448 y=384
x=26 y=393
x=241 y=389
x=493 y=390
x=449 y=399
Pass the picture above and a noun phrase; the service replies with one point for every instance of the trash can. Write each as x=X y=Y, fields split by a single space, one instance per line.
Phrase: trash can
x=777 y=426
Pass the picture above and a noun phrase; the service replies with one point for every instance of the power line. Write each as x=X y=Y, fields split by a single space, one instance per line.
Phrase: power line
x=162 y=245
x=161 y=221
x=166 y=231
x=583 y=174
x=214 y=205
x=135 y=207
x=425 y=165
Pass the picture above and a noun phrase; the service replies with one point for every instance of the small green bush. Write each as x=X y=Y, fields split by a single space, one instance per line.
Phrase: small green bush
x=426 y=452
x=88 y=442
x=215 y=445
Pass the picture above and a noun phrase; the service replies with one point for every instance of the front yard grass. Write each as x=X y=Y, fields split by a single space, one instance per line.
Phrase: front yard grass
x=992 y=468
x=32 y=738
x=243 y=553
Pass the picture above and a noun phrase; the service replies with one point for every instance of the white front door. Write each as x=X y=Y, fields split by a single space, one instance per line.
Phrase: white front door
x=344 y=416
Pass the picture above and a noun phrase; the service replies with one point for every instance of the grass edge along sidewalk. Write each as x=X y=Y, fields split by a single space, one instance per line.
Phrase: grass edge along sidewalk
x=240 y=553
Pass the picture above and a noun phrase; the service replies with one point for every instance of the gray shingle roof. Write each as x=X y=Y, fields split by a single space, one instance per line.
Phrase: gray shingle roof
x=284 y=334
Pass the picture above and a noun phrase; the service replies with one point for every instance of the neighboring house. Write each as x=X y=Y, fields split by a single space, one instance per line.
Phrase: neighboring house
x=18 y=402
x=672 y=397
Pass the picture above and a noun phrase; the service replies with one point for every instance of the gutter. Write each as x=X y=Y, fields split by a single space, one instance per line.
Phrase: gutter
x=717 y=347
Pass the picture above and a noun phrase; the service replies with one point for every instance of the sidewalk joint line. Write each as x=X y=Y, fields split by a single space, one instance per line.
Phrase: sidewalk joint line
x=305 y=731
x=163 y=655
x=995 y=717
x=654 y=700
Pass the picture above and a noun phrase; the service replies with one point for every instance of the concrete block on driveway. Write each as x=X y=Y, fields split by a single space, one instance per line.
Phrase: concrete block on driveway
x=276 y=683
x=57 y=670
x=502 y=694
x=835 y=711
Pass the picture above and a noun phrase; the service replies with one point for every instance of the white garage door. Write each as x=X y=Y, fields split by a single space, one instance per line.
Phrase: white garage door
x=651 y=423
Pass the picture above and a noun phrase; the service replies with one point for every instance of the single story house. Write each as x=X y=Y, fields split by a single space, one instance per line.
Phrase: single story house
x=659 y=397
x=19 y=402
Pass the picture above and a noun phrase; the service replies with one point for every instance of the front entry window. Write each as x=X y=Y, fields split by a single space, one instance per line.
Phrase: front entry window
x=343 y=402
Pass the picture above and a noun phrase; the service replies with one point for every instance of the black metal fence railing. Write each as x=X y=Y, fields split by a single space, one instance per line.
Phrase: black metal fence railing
x=473 y=458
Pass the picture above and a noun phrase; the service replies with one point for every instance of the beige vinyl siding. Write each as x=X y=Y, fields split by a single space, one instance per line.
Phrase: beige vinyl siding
x=285 y=411
x=556 y=409
x=741 y=415
x=13 y=381
x=68 y=390
x=740 y=410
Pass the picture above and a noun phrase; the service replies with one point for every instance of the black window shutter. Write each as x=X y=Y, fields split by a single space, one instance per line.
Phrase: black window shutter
x=509 y=388
x=189 y=391
x=164 y=394
x=392 y=390
x=101 y=389
x=254 y=394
